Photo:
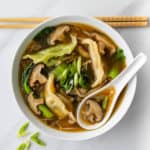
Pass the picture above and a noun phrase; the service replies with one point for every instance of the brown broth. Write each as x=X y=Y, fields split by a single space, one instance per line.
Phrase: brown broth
x=79 y=30
x=77 y=128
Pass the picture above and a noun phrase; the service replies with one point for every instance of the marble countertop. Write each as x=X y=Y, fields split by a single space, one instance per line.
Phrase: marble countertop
x=133 y=131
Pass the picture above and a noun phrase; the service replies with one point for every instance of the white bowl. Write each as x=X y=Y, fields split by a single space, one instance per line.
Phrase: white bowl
x=74 y=135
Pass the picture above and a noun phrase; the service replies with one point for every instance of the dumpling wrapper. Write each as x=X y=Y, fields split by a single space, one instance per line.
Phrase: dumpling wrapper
x=54 y=102
x=96 y=61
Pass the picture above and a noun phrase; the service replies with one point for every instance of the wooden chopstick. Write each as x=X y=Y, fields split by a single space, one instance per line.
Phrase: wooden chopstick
x=113 y=24
x=17 y=26
x=114 y=21
x=124 y=18
x=31 y=19
x=128 y=24
x=103 y=18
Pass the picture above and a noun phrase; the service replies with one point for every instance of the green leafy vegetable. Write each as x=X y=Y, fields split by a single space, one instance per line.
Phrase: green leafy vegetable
x=35 y=138
x=25 y=78
x=105 y=102
x=42 y=37
x=22 y=130
x=68 y=86
x=119 y=55
x=75 y=79
x=25 y=86
x=72 y=68
x=45 y=111
x=28 y=144
x=44 y=33
x=118 y=61
x=84 y=80
x=54 y=62
x=24 y=145
x=70 y=75
x=52 y=52
x=79 y=64
x=113 y=72
x=60 y=72
x=64 y=75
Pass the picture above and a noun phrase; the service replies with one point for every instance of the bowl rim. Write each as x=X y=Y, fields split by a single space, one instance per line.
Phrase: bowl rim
x=73 y=136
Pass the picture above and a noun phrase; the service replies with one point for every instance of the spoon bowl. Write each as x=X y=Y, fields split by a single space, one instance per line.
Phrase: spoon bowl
x=119 y=83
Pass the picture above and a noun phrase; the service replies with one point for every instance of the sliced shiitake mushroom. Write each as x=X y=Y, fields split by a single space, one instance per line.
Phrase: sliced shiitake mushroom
x=92 y=112
x=58 y=34
x=34 y=103
x=37 y=76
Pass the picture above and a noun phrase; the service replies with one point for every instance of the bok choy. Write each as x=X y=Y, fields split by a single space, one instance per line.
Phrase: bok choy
x=118 y=61
x=45 y=55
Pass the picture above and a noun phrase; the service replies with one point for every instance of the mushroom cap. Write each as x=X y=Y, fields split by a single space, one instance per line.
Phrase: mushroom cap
x=36 y=75
x=58 y=34
x=34 y=103
x=93 y=112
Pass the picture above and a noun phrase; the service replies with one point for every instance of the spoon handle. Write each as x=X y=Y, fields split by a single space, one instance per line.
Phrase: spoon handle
x=129 y=72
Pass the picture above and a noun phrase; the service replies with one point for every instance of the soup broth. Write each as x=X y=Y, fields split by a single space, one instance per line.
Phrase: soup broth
x=61 y=66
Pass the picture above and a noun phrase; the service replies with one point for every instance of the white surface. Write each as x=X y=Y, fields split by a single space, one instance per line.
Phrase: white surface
x=133 y=132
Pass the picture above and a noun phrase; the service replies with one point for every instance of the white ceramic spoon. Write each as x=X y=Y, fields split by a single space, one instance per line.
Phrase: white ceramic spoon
x=119 y=83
